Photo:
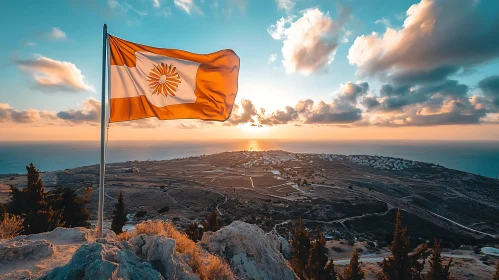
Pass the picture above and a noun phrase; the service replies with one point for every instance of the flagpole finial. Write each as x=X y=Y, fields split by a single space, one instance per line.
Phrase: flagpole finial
x=105 y=26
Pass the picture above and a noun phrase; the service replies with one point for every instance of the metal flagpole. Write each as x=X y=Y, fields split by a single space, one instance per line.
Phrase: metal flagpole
x=102 y=136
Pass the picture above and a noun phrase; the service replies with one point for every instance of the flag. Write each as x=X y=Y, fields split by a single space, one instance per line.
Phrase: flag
x=170 y=84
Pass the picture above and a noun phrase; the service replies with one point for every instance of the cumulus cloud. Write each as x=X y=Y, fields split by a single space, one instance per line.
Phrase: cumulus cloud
x=309 y=42
x=286 y=4
x=436 y=40
x=246 y=116
x=188 y=6
x=57 y=34
x=490 y=87
x=90 y=113
x=9 y=114
x=54 y=75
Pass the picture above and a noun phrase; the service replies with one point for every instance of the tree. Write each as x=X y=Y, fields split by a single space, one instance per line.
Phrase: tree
x=397 y=265
x=317 y=258
x=194 y=231
x=330 y=271
x=30 y=203
x=437 y=270
x=353 y=271
x=72 y=207
x=212 y=222
x=119 y=215
x=496 y=275
x=301 y=248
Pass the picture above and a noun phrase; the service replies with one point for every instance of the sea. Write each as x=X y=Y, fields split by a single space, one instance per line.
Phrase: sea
x=477 y=157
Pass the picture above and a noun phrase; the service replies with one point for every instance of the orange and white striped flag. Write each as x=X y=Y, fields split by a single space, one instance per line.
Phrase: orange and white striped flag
x=170 y=84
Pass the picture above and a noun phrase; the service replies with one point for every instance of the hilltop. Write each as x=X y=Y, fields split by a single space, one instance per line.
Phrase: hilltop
x=353 y=199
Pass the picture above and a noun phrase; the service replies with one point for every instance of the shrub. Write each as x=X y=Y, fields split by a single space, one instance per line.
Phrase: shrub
x=124 y=236
x=212 y=222
x=10 y=226
x=164 y=210
x=194 y=231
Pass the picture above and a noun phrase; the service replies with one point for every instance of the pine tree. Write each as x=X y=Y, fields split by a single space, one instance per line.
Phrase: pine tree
x=397 y=266
x=32 y=205
x=301 y=248
x=330 y=272
x=194 y=232
x=437 y=270
x=496 y=275
x=212 y=222
x=72 y=207
x=353 y=271
x=119 y=215
x=317 y=258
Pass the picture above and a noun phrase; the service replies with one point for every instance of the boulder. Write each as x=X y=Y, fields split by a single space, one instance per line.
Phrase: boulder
x=160 y=252
x=16 y=250
x=249 y=251
x=61 y=236
x=106 y=260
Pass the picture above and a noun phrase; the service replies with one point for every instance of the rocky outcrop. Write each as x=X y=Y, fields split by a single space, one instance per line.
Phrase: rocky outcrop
x=160 y=252
x=105 y=260
x=24 y=250
x=249 y=251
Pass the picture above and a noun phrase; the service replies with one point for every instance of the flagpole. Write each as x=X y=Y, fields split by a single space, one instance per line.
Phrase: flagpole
x=102 y=136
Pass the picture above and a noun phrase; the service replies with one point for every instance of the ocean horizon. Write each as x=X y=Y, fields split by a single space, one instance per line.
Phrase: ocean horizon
x=478 y=157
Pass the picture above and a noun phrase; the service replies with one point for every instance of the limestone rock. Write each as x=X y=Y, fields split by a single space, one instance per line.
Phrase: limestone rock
x=107 y=260
x=160 y=252
x=251 y=254
x=25 y=250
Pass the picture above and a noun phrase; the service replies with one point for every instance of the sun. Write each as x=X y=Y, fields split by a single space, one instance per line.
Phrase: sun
x=164 y=79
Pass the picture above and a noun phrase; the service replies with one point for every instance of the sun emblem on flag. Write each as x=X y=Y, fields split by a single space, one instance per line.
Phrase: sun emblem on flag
x=164 y=79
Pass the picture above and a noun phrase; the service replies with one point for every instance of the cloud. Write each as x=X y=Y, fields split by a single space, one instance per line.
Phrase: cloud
x=124 y=8
x=57 y=34
x=141 y=124
x=156 y=3
x=309 y=42
x=272 y=58
x=90 y=113
x=278 y=117
x=54 y=75
x=188 y=6
x=383 y=21
x=286 y=4
x=436 y=40
x=9 y=114
x=490 y=88
x=187 y=126
x=246 y=116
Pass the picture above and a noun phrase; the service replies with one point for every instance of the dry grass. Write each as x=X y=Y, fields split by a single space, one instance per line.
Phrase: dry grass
x=10 y=226
x=125 y=236
x=205 y=265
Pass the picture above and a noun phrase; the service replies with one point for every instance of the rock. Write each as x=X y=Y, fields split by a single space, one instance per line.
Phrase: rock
x=160 y=252
x=132 y=170
x=25 y=250
x=61 y=236
x=251 y=254
x=107 y=260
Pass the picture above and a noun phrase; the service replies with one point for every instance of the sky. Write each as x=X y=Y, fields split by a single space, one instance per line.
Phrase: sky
x=310 y=70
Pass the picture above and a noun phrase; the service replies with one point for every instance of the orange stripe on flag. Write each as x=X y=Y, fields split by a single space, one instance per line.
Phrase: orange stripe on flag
x=216 y=84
